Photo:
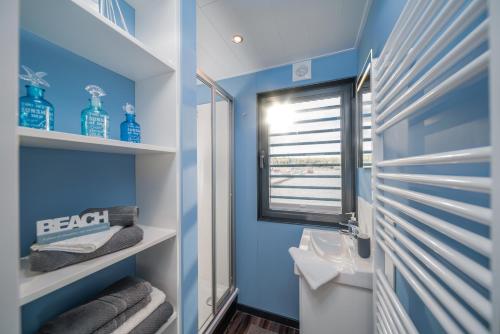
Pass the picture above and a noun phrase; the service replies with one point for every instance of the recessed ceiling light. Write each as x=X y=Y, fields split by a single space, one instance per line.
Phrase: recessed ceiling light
x=238 y=39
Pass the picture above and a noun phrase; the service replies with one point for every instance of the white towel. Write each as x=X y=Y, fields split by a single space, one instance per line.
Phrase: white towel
x=316 y=271
x=84 y=244
x=157 y=298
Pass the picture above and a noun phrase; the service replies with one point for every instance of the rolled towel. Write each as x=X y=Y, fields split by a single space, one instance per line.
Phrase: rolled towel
x=89 y=317
x=84 y=244
x=52 y=260
x=125 y=215
x=155 y=320
x=157 y=298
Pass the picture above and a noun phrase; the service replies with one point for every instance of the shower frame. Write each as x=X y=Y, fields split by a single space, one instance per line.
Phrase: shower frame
x=218 y=304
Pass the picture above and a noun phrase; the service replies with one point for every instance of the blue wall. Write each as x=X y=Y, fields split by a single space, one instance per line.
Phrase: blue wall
x=264 y=269
x=381 y=19
x=188 y=182
x=57 y=183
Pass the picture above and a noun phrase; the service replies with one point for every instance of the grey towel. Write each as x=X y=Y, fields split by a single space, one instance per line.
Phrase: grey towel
x=125 y=215
x=155 y=320
x=122 y=317
x=89 y=317
x=52 y=260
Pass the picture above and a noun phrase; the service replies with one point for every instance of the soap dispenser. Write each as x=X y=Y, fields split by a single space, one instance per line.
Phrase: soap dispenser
x=130 y=130
x=95 y=121
x=34 y=111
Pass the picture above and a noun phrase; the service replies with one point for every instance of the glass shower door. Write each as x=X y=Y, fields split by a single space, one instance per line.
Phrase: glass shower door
x=222 y=166
x=205 y=241
x=215 y=208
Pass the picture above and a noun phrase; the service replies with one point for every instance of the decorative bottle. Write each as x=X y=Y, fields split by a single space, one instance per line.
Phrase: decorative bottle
x=34 y=111
x=130 y=130
x=95 y=121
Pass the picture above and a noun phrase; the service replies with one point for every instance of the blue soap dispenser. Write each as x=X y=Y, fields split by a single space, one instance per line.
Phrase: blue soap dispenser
x=34 y=111
x=95 y=121
x=130 y=130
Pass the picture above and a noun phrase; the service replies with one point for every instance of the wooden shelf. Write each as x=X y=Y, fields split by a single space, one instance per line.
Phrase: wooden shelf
x=67 y=141
x=75 y=26
x=169 y=322
x=34 y=285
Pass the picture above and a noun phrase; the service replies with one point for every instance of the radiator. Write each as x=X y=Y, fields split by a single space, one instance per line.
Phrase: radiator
x=435 y=48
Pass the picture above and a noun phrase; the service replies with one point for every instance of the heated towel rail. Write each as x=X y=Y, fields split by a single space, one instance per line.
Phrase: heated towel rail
x=435 y=48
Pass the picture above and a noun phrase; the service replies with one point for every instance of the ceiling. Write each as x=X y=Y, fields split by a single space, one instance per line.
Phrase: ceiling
x=275 y=32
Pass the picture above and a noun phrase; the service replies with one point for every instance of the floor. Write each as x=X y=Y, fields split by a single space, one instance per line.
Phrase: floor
x=244 y=323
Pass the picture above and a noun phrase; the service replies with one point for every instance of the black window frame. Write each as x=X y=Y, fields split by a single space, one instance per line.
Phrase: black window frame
x=346 y=89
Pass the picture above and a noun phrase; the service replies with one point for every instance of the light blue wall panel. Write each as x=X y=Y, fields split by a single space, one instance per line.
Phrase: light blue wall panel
x=189 y=233
x=264 y=269
x=57 y=183
x=381 y=19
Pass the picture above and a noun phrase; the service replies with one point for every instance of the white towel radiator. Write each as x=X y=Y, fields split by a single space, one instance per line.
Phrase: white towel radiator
x=414 y=70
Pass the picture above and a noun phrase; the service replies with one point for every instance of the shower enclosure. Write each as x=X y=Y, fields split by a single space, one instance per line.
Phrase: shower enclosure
x=215 y=201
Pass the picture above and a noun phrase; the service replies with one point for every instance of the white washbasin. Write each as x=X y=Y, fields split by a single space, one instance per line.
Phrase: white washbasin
x=330 y=246
x=339 y=249
x=345 y=303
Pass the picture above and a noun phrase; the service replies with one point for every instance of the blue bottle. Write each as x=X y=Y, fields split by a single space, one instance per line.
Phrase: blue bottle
x=34 y=111
x=130 y=130
x=95 y=121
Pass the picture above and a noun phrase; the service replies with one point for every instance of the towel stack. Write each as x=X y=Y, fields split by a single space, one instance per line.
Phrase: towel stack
x=123 y=234
x=131 y=305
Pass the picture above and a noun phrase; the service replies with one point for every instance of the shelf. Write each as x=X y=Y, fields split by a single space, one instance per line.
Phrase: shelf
x=35 y=285
x=75 y=26
x=166 y=325
x=67 y=141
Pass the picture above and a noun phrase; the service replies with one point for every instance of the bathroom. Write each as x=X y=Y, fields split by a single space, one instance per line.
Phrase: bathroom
x=250 y=167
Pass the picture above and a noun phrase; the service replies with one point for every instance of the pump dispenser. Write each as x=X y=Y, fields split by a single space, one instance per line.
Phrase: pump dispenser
x=34 y=111
x=130 y=130
x=95 y=121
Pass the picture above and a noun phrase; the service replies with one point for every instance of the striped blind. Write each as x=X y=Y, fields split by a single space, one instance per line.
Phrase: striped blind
x=366 y=118
x=305 y=154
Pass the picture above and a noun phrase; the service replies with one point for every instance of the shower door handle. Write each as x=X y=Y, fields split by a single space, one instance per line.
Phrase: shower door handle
x=262 y=158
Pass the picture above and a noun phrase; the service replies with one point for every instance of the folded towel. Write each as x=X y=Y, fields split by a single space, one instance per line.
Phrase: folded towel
x=110 y=326
x=52 y=260
x=315 y=270
x=157 y=298
x=125 y=215
x=155 y=320
x=84 y=244
x=89 y=317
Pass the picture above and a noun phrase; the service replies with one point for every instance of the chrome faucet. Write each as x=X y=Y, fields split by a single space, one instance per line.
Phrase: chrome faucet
x=352 y=227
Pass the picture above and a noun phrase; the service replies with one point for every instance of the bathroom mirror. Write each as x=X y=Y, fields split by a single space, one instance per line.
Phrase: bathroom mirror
x=364 y=114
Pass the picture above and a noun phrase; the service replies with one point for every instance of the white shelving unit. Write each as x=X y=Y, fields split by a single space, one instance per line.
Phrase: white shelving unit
x=34 y=285
x=67 y=141
x=75 y=26
x=150 y=59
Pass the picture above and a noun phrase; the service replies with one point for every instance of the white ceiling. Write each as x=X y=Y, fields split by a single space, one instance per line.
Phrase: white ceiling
x=275 y=32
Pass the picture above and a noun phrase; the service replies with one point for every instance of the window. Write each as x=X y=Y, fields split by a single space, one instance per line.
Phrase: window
x=364 y=97
x=306 y=155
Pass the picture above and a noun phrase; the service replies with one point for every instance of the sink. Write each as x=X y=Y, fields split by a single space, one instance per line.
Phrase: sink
x=330 y=246
x=350 y=293
x=340 y=249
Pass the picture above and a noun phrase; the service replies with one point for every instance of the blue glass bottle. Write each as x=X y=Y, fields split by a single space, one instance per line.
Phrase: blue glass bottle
x=94 y=120
x=34 y=111
x=130 y=130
